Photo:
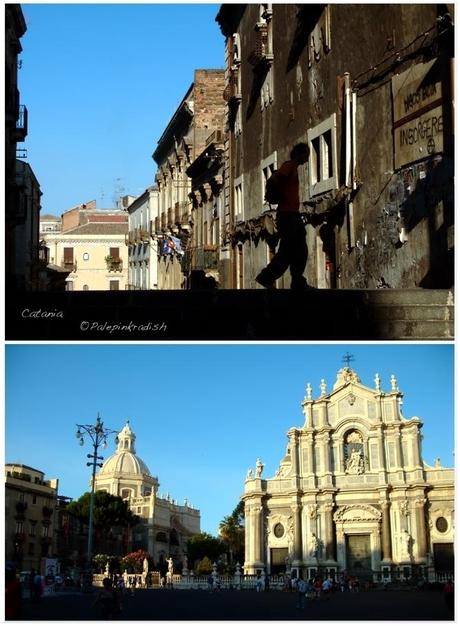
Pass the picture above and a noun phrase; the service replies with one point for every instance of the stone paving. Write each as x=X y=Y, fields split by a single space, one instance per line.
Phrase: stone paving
x=161 y=605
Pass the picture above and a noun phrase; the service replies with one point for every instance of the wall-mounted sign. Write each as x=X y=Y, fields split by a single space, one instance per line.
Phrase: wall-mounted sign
x=417 y=113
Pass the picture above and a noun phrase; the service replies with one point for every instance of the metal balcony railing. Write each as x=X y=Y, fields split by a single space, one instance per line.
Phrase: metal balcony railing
x=22 y=123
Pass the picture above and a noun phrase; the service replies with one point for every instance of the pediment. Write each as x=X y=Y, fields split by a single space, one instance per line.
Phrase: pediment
x=357 y=513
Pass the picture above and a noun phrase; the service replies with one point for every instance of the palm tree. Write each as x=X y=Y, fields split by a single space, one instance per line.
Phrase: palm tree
x=231 y=529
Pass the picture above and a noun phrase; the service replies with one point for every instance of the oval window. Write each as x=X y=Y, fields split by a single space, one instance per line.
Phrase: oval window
x=441 y=524
x=278 y=530
x=85 y=256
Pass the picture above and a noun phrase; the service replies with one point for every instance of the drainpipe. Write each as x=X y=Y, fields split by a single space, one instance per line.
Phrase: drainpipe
x=350 y=152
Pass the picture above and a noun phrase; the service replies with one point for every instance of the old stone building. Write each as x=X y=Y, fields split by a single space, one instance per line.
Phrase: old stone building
x=165 y=525
x=200 y=113
x=369 y=88
x=352 y=493
x=143 y=248
x=30 y=509
x=205 y=257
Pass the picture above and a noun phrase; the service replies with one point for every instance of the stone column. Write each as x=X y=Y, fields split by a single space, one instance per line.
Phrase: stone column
x=421 y=539
x=386 y=530
x=297 y=515
x=257 y=533
x=310 y=458
x=328 y=532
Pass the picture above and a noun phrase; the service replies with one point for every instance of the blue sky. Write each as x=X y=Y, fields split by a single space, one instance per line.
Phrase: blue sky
x=202 y=414
x=101 y=82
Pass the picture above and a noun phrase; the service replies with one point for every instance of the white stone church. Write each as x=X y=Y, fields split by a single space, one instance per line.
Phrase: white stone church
x=166 y=525
x=352 y=493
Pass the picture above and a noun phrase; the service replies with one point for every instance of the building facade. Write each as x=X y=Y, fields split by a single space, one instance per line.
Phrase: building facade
x=205 y=256
x=30 y=508
x=91 y=247
x=165 y=525
x=369 y=88
x=199 y=114
x=143 y=245
x=352 y=493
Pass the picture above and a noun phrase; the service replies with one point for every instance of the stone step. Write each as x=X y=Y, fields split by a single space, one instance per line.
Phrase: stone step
x=317 y=315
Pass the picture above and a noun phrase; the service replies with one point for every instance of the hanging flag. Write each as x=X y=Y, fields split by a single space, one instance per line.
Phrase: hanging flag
x=176 y=245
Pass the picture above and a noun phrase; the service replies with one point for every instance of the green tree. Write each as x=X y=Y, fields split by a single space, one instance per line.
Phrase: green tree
x=204 y=545
x=109 y=512
x=231 y=529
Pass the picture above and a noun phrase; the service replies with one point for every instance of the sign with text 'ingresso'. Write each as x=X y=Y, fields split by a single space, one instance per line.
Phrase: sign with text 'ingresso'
x=417 y=114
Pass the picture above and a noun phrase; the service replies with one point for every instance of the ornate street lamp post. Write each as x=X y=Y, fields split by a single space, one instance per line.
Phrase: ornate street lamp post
x=98 y=435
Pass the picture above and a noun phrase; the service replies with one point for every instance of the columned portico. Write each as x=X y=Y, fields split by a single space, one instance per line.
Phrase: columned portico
x=351 y=493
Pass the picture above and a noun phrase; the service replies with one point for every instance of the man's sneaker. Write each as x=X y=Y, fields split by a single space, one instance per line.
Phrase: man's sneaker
x=262 y=281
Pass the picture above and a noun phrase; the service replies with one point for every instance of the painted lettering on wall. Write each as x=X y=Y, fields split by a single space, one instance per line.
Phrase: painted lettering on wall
x=415 y=100
x=421 y=130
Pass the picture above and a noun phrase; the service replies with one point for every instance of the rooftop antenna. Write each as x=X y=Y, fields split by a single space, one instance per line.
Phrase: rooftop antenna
x=119 y=191
x=348 y=358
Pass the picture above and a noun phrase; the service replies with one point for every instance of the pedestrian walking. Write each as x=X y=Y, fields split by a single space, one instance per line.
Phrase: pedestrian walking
x=267 y=582
x=107 y=598
x=292 y=250
x=301 y=586
x=13 y=598
x=449 y=595
x=258 y=583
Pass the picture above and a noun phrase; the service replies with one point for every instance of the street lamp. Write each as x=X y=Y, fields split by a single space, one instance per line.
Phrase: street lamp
x=98 y=435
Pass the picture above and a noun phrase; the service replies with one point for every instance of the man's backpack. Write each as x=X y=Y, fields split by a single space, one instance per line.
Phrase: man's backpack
x=273 y=193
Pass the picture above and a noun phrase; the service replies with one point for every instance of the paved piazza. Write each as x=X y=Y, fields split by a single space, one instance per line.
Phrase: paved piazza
x=248 y=605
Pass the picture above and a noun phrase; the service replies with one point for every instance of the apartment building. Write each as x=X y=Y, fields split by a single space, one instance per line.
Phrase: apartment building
x=200 y=112
x=30 y=506
x=91 y=247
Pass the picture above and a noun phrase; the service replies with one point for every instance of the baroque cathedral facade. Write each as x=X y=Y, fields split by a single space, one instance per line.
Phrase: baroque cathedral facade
x=165 y=526
x=352 y=493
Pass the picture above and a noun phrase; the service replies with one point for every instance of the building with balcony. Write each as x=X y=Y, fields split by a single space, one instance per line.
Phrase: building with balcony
x=91 y=247
x=30 y=506
x=17 y=233
x=165 y=525
x=142 y=241
x=369 y=88
x=205 y=254
x=197 y=116
x=352 y=493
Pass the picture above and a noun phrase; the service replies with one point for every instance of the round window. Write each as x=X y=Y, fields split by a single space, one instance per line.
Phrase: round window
x=278 y=530
x=441 y=524
x=85 y=256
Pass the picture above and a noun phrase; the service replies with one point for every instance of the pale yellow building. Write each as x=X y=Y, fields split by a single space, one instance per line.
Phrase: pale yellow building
x=92 y=247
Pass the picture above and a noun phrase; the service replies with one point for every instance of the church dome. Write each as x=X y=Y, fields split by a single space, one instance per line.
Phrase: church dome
x=125 y=460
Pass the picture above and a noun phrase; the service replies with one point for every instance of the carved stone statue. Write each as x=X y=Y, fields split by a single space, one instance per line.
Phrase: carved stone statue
x=259 y=468
x=355 y=463
x=322 y=387
x=170 y=566
x=313 y=545
x=377 y=382
x=405 y=540
x=394 y=383
x=145 y=565
x=250 y=474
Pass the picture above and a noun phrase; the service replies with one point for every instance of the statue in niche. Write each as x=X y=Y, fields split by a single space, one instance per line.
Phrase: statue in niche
x=355 y=462
x=406 y=541
x=313 y=545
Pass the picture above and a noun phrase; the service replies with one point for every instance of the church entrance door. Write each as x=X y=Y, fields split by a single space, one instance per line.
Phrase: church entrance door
x=278 y=558
x=359 y=561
